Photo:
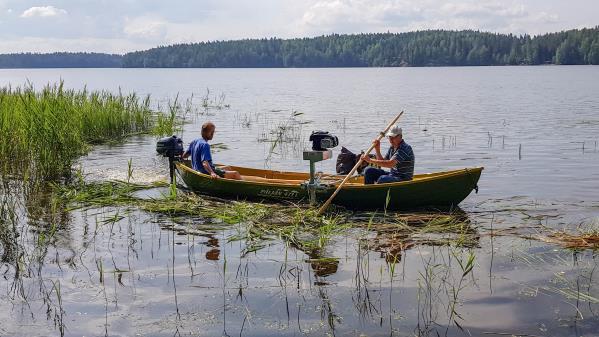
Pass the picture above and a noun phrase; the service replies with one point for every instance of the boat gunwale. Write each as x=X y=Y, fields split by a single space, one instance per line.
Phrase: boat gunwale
x=433 y=176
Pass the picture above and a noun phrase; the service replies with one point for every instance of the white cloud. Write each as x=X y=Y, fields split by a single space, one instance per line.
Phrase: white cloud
x=483 y=8
x=335 y=15
x=354 y=16
x=545 y=17
x=145 y=28
x=43 y=11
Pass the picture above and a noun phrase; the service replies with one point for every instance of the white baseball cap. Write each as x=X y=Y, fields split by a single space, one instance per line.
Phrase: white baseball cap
x=394 y=131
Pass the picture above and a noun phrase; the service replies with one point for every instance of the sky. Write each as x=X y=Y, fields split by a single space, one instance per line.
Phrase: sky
x=120 y=26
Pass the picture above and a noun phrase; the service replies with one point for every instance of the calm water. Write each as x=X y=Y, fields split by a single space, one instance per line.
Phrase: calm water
x=534 y=129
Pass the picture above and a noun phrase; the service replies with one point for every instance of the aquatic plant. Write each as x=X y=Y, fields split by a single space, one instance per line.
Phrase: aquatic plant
x=288 y=131
x=214 y=102
x=171 y=122
x=44 y=131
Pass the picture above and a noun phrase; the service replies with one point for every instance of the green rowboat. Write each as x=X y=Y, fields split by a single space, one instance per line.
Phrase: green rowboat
x=432 y=190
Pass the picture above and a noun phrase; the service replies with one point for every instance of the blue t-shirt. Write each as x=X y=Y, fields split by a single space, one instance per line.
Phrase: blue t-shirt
x=404 y=155
x=200 y=152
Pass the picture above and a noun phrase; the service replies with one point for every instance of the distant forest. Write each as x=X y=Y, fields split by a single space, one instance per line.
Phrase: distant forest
x=60 y=60
x=421 y=48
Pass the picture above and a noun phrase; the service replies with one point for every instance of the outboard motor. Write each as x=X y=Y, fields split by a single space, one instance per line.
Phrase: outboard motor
x=172 y=148
x=323 y=140
x=322 y=143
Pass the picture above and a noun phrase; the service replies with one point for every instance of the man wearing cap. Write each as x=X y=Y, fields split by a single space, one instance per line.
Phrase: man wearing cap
x=201 y=158
x=400 y=159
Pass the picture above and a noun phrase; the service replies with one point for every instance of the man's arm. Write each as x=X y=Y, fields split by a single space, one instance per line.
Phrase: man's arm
x=187 y=152
x=209 y=169
x=380 y=160
x=390 y=163
x=377 y=149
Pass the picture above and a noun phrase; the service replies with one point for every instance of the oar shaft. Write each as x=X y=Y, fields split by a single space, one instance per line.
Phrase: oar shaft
x=353 y=170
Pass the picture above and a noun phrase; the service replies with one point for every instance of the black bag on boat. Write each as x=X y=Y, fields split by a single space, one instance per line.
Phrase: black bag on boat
x=346 y=161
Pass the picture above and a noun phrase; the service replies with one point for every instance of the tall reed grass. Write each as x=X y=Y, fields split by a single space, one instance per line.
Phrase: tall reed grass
x=44 y=131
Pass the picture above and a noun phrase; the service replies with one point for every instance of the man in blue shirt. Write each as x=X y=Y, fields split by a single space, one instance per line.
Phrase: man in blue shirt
x=400 y=159
x=201 y=158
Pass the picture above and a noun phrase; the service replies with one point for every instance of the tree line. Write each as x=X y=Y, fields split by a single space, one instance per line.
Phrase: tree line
x=420 y=48
x=60 y=60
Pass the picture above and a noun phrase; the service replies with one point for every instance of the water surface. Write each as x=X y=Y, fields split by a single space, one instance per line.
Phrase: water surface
x=534 y=129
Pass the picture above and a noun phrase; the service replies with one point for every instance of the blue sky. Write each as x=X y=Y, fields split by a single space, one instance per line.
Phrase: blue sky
x=127 y=25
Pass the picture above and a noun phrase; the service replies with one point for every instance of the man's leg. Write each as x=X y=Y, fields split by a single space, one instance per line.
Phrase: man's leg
x=371 y=174
x=232 y=175
x=387 y=178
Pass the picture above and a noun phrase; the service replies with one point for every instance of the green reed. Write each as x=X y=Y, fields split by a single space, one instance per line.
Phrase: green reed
x=44 y=131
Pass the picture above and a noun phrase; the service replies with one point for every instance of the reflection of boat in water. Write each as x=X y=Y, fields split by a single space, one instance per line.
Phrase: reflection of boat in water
x=440 y=190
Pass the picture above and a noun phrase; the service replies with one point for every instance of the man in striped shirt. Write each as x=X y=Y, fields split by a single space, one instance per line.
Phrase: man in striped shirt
x=400 y=159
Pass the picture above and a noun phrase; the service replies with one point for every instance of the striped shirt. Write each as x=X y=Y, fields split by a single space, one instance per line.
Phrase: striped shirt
x=404 y=169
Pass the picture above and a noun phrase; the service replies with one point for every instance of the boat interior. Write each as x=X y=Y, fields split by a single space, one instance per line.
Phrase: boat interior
x=296 y=178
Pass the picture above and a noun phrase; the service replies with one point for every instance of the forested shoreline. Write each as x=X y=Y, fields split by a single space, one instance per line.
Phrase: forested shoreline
x=417 y=49
x=61 y=60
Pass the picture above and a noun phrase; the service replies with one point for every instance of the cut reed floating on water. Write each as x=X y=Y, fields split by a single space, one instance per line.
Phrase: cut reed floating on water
x=574 y=241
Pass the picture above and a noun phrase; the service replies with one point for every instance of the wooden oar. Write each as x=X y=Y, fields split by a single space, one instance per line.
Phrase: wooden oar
x=380 y=136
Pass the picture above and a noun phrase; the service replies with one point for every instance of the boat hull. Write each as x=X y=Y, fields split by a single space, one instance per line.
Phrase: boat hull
x=437 y=190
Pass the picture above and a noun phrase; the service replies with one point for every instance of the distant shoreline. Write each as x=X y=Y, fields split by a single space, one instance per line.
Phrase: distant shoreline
x=363 y=67
x=431 y=48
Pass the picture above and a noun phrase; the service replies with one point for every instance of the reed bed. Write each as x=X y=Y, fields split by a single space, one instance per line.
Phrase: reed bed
x=44 y=131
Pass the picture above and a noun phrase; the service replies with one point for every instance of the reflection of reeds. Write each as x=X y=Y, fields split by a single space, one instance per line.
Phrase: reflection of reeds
x=29 y=222
x=576 y=286
x=444 y=276
x=440 y=286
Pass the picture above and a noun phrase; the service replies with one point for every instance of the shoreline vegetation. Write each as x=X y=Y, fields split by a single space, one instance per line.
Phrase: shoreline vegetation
x=45 y=131
x=411 y=49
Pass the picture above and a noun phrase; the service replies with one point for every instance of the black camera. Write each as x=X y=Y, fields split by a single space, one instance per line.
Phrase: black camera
x=323 y=140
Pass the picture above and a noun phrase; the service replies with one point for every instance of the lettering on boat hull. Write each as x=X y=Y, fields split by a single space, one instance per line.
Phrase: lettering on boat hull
x=278 y=193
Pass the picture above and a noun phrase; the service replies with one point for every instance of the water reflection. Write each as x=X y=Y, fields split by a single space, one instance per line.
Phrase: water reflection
x=214 y=253
x=416 y=273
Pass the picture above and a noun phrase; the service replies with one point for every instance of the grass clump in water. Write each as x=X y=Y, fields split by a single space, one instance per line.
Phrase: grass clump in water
x=43 y=132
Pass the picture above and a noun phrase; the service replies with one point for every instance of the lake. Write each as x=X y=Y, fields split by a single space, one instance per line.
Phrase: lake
x=534 y=129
